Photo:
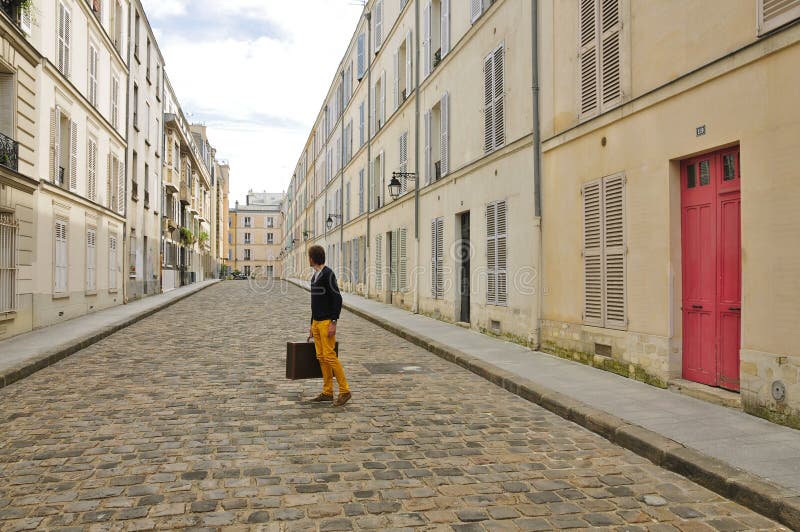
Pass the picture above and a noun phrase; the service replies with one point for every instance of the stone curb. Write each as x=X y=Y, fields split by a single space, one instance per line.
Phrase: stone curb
x=50 y=357
x=756 y=493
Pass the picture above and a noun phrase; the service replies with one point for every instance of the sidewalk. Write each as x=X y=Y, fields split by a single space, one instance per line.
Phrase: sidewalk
x=27 y=353
x=742 y=457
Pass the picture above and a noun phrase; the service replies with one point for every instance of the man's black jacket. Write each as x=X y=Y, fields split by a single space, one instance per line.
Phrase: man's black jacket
x=326 y=301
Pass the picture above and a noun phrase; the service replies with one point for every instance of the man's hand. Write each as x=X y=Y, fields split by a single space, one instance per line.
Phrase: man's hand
x=311 y=332
x=331 y=330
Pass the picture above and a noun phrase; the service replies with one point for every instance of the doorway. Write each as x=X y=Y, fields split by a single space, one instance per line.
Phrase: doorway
x=464 y=284
x=711 y=259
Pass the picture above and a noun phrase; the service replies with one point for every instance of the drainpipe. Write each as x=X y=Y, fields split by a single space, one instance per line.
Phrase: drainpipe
x=537 y=163
x=125 y=240
x=418 y=181
x=368 y=119
x=341 y=183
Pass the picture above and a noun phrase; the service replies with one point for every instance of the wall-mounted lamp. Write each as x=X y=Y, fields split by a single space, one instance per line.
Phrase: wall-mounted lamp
x=395 y=185
x=329 y=221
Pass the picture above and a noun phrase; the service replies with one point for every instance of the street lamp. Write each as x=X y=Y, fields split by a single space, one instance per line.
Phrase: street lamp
x=307 y=233
x=395 y=185
x=329 y=221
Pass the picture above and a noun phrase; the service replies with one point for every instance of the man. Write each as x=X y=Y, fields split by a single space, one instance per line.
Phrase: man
x=326 y=305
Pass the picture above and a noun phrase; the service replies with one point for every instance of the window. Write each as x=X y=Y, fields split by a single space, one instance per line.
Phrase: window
x=116 y=24
x=64 y=150
x=61 y=263
x=92 y=74
x=376 y=183
x=437 y=158
x=270 y=271
x=158 y=82
x=91 y=169
x=136 y=107
x=115 y=102
x=600 y=56
x=496 y=254
x=378 y=262
x=147 y=58
x=402 y=72
x=361 y=132
x=115 y=184
x=63 y=29
x=399 y=268
x=133 y=254
x=270 y=239
x=247 y=221
x=136 y=36
x=112 y=263
x=404 y=162
x=247 y=238
x=247 y=269
x=146 y=186
x=8 y=97
x=361 y=54
x=134 y=176
x=378 y=10
x=361 y=191
x=91 y=259
x=604 y=252
x=347 y=202
x=147 y=122
x=436 y=34
x=230 y=238
x=9 y=230
x=270 y=221
x=437 y=258
x=477 y=8
x=246 y=254
x=494 y=134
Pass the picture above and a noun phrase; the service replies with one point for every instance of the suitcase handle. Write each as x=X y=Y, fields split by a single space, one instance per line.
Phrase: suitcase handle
x=309 y=339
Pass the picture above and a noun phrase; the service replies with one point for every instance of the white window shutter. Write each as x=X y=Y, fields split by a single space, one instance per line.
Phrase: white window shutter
x=120 y=187
x=109 y=179
x=434 y=258
x=409 y=71
x=91 y=174
x=112 y=263
x=491 y=253
x=428 y=169
x=475 y=10
x=610 y=60
x=361 y=136
x=402 y=271
x=373 y=107
x=73 y=156
x=61 y=257
x=592 y=253
x=378 y=25
x=360 y=55
x=378 y=262
x=502 y=253
x=499 y=98
x=404 y=161
x=588 y=59
x=26 y=21
x=614 y=251
x=371 y=205
x=383 y=98
x=488 y=103
x=426 y=41
x=381 y=176
x=396 y=80
x=55 y=143
x=445 y=118
x=773 y=14
x=67 y=42
x=440 y=258
x=394 y=262
x=91 y=259
x=445 y=30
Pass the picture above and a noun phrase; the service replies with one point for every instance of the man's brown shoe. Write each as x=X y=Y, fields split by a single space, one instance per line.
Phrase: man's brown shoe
x=342 y=399
x=321 y=398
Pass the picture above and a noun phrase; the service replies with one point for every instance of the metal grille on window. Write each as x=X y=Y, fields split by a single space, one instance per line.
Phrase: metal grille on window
x=9 y=228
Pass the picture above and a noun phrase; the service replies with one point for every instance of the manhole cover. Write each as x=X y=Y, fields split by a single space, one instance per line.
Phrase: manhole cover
x=393 y=368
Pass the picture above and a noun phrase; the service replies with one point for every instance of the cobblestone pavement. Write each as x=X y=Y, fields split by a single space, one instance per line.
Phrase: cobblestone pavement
x=185 y=420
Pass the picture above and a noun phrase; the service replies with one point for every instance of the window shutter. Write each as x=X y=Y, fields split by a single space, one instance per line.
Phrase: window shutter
x=440 y=258
x=381 y=176
x=92 y=75
x=475 y=10
x=428 y=172
x=73 y=156
x=67 y=39
x=361 y=55
x=396 y=80
x=60 y=38
x=26 y=21
x=434 y=258
x=371 y=199
x=610 y=74
x=445 y=118
x=61 y=257
x=502 y=253
x=394 y=262
x=115 y=103
x=120 y=187
x=775 y=13
x=378 y=262
x=488 y=103
x=347 y=203
x=109 y=186
x=404 y=161
x=91 y=187
x=614 y=251
x=588 y=58
x=383 y=98
x=445 y=31
x=361 y=191
x=409 y=71
x=378 y=25
x=403 y=258
x=426 y=41
x=499 y=97
x=112 y=263
x=592 y=254
x=361 y=138
x=373 y=118
x=491 y=253
x=55 y=142
x=91 y=258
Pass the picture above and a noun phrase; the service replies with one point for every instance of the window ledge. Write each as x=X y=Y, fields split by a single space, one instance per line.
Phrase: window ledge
x=112 y=290
x=61 y=296
x=90 y=293
x=8 y=315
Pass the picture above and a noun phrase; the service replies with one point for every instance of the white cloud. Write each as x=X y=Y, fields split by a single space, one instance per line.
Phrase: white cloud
x=256 y=72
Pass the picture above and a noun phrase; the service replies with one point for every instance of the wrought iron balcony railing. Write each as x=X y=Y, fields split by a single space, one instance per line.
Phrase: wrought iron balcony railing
x=9 y=153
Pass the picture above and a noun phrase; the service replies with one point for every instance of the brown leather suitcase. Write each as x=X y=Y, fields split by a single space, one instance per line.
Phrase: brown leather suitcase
x=301 y=360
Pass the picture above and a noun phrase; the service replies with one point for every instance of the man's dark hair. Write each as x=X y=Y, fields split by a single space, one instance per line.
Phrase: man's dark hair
x=317 y=254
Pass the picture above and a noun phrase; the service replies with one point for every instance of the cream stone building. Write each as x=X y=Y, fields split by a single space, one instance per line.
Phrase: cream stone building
x=255 y=235
x=19 y=171
x=222 y=215
x=629 y=206
x=145 y=150
x=81 y=132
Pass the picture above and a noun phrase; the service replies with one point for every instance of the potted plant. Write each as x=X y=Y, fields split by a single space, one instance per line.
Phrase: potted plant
x=202 y=238
x=187 y=236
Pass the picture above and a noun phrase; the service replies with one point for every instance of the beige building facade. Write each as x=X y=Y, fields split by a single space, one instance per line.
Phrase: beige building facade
x=643 y=227
x=255 y=236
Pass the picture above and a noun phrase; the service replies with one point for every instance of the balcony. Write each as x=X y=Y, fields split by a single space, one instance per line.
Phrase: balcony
x=135 y=191
x=169 y=225
x=437 y=170
x=186 y=194
x=170 y=180
x=9 y=152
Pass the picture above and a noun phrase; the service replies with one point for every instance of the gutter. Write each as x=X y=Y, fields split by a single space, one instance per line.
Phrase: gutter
x=418 y=181
x=537 y=163
x=341 y=183
x=368 y=60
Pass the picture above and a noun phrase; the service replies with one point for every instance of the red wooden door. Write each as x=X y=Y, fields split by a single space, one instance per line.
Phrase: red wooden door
x=711 y=268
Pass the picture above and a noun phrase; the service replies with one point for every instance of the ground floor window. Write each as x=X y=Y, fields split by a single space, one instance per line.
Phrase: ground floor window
x=9 y=228
x=247 y=270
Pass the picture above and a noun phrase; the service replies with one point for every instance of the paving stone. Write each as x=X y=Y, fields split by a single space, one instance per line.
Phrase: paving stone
x=330 y=525
x=258 y=517
x=472 y=514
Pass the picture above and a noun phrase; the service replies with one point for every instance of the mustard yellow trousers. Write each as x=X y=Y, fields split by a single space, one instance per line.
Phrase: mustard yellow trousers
x=331 y=367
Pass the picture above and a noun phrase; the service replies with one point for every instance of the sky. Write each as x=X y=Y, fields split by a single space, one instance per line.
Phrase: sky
x=255 y=72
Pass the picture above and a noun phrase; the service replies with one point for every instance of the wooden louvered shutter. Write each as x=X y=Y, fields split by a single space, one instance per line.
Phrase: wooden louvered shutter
x=402 y=270
x=475 y=10
x=73 y=156
x=610 y=60
x=394 y=263
x=373 y=107
x=775 y=13
x=61 y=52
x=378 y=25
x=91 y=258
x=356 y=275
x=491 y=253
x=404 y=161
x=396 y=80
x=378 y=262
x=380 y=180
x=499 y=97
x=67 y=39
x=426 y=41
x=428 y=171
x=439 y=258
x=592 y=253
x=91 y=185
x=55 y=144
x=409 y=71
x=61 y=257
x=383 y=98
x=434 y=258
x=614 y=252
x=120 y=187
x=588 y=59
x=110 y=201
x=445 y=140
x=112 y=263
x=501 y=268
x=445 y=30
x=488 y=103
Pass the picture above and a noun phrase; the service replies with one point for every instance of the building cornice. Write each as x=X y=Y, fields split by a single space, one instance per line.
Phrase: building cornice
x=11 y=33
x=16 y=180
x=77 y=198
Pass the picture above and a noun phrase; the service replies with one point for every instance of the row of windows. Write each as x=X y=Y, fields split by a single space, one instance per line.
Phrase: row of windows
x=269 y=238
x=269 y=221
x=61 y=264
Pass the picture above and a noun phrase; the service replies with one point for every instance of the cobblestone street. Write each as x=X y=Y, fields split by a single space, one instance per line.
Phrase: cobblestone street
x=185 y=419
